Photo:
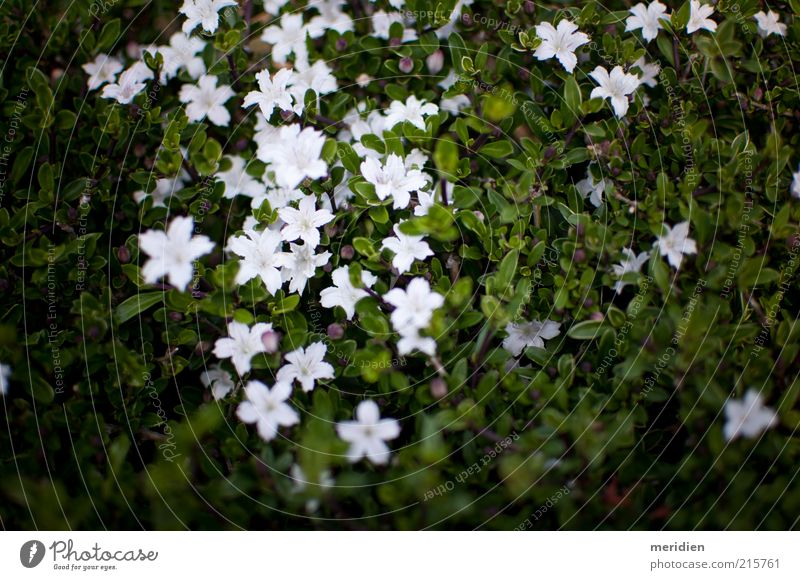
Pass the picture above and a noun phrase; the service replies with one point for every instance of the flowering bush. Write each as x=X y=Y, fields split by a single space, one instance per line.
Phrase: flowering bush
x=397 y=264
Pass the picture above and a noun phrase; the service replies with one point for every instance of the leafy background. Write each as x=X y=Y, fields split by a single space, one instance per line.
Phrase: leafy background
x=84 y=432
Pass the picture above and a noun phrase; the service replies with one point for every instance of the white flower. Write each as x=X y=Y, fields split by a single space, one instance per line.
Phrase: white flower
x=301 y=264
x=271 y=93
x=675 y=243
x=274 y=6
x=630 y=263
x=795 y=189
x=647 y=18
x=182 y=54
x=204 y=13
x=238 y=182
x=524 y=334
x=330 y=17
x=413 y=110
x=305 y=221
x=165 y=188
x=748 y=417
x=649 y=72
x=392 y=179
x=172 y=253
x=560 y=42
x=426 y=200
x=316 y=77
x=129 y=84
x=296 y=155
x=260 y=256
x=5 y=376
x=382 y=23
x=267 y=408
x=414 y=306
x=102 y=70
x=411 y=340
x=589 y=186
x=278 y=197
x=287 y=37
x=343 y=293
x=218 y=380
x=306 y=365
x=769 y=24
x=616 y=87
x=699 y=17
x=301 y=483
x=453 y=105
x=368 y=433
x=242 y=344
x=206 y=99
x=406 y=249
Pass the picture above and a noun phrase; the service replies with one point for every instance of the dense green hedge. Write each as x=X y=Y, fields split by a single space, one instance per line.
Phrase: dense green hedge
x=647 y=224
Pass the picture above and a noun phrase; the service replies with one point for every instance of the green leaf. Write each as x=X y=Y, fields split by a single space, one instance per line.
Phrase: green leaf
x=136 y=304
x=497 y=149
x=586 y=330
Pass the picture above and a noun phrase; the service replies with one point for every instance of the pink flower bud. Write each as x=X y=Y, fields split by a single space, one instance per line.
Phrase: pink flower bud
x=271 y=341
x=435 y=61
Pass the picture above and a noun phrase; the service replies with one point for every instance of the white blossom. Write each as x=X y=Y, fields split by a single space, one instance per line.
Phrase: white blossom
x=392 y=179
x=699 y=17
x=238 y=182
x=182 y=54
x=560 y=42
x=103 y=69
x=649 y=72
x=406 y=249
x=524 y=334
x=748 y=417
x=5 y=377
x=414 y=306
x=207 y=100
x=218 y=380
x=166 y=187
x=330 y=17
x=260 y=256
x=304 y=221
x=382 y=23
x=204 y=13
x=272 y=92
x=343 y=293
x=129 y=84
x=172 y=253
x=647 y=18
x=413 y=110
x=795 y=189
x=593 y=188
x=296 y=155
x=675 y=243
x=287 y=37
x=267 y=408
x=616 y=87
x=306 y=366
x=368 y=433
x=769 y=23
x=242 y=344
x=301 y=264
x=630 y=263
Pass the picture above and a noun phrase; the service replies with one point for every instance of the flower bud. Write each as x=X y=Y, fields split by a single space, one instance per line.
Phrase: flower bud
x=406 y=65
x=335 y=331
x=123 y=255
x=435 y=61
x=347 y=252
x=271 y=341
x=438 y=388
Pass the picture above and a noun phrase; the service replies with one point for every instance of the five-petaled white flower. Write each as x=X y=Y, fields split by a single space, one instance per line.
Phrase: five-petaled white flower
x=206 y=99
x=593 y=188
x=306 y=365
x=129 y=84
x=647 y=18
x=615 y=86
x=748 y=417
x=218 y=380
x=103 y=69
x=343 y=293
x=238 y=182
x=260 y=256
x=304 y=221
x=411 y=340
x=675 y=243
x=5 y=376
x=330 y=17
x=267 y=408
x=769 y=24
x=524 y=334
x=392 y=178
x=699 y=17
x=649 y=72
x=165 y=188
x=242 y=344
x=368 y=433
x=406 y=249
x=272 y=92
x=413 y=110
x=295 y=156
x=182 y=54
x=414 y=306
x=289 y=36
x=560 y=42
x=316 y=77
x=204 y=13
x=630 y=263
x=172 y=253
x=301 y=264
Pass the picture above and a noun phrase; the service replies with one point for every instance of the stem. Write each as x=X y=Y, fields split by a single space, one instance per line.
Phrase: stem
x=443 y=183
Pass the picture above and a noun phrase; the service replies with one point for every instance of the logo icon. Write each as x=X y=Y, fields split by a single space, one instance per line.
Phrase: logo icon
x=31 y=553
